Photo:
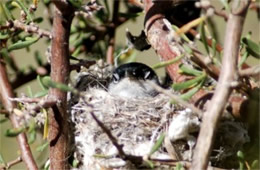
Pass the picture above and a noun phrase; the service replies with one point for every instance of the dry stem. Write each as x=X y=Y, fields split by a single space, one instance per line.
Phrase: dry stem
x=223 y=90
x=6 y=92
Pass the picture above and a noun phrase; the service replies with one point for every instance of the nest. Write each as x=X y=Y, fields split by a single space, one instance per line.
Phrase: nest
x=137 y=124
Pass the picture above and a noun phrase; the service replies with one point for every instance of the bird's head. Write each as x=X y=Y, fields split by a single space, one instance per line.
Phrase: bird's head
x=131 y=81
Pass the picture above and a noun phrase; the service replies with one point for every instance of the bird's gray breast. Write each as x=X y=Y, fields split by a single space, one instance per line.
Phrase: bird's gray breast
x=128 y=88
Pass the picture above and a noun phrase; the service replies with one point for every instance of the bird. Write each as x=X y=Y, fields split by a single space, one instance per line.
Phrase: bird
x=131 y=80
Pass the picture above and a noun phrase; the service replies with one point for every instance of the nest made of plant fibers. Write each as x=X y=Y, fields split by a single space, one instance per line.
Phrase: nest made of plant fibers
x=136 y=125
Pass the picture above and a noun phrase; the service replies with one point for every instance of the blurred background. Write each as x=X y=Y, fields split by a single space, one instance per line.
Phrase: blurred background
x=26 y=59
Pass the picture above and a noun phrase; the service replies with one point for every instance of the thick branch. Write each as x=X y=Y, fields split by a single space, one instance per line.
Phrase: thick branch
x=58 y=131
x=6 y=92
x=158 y=35
x=223 y=90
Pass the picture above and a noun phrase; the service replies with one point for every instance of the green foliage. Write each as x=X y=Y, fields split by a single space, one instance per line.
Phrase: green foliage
x=157 y=145
x=14 y=131
x=23 y=43
x=252 y=47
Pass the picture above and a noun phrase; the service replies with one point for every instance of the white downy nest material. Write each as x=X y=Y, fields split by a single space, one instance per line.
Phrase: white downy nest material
x=137 y=124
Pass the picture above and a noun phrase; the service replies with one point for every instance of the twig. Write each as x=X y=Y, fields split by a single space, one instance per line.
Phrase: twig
x=14 y=162
x=4 y=112
x=223 y=90
x=6 y=92
x=177 y=99
x=207 y=6
x=137 y=160
x=111 y=34
x=110 y=136
x=84 y=63
x=210 y=68
x=22 y=78
x=252 y=71
x=32 y=28
x=25 y=99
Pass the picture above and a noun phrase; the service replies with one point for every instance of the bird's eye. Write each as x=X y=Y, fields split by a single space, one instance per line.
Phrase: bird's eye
x=146 y=75
x=115 y=78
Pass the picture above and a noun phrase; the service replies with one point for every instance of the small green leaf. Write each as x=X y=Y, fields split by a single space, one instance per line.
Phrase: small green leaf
x=42 y=147
x=214 y=47
x=149 y=163
x=225 y=4
x=49 y=83
x=3 y=36
x=255 y=164
x=21 y=5
x=14 y=132
x=38 y=58
x=75 y=163
x=203 y=37
x=46 y=124
x=186 y=96
x=189 y=83
x=41 y=93
x=8 y=15
x=29 y=91
x=3 y=120
x=32 y=137
x=23 y=44
x=166 y=63
x=130 y=15
x=243 y=59
x=47 y=165
x=183 y=36
x=38 y=20
x=190 y=71
x=2 y=162
x=252 y=47
x=241 y=159
x=76 y=3
x=179 y=166
x=43 y=86
x=240 y=155
x=157 y=145
x=76 y=52
x=46 y=2
x=187 y=49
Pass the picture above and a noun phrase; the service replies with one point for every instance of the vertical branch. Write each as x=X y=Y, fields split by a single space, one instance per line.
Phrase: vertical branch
x=223 y=90
x=111 y=33
x=58 y=131
x=6 y=92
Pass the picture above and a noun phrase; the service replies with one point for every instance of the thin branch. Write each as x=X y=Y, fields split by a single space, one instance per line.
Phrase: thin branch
x=252 y=71
x=177 y=98
x=111 y=34
x=6 y=92
x=25 y=99
x=22 y=78
x=210 y=68
x=32 y=28
x=207 y=6
x=137 y=160
x=14 y=162
x=223 y=90
x=110 y=136
x=84 y=63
